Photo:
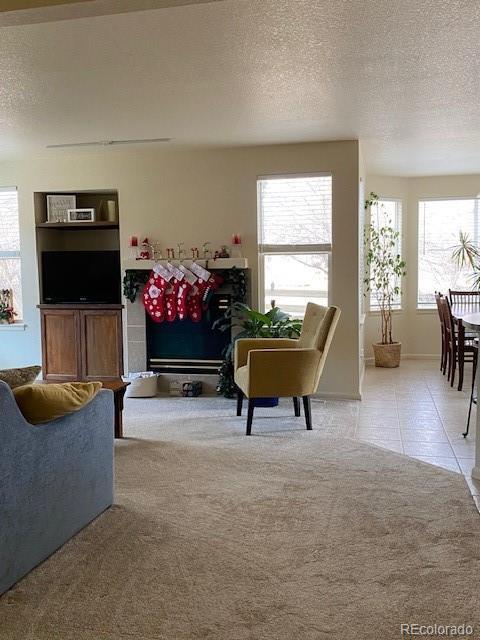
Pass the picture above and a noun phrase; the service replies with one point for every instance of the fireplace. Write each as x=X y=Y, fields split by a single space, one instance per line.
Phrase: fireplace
x=190 y=347
x=180 y=347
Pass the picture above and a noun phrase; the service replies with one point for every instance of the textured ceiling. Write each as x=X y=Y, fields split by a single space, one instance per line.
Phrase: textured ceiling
x=16 y=12
x=403 y=77
x=14 y=5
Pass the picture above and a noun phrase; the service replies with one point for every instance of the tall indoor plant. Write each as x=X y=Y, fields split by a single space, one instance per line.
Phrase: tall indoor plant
x=384 y=270
x=467 y=254
x=246 y=322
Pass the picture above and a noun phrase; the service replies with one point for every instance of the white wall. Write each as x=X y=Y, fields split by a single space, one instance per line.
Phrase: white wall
x=418 y=330
x=194 y=196
x=362 y=173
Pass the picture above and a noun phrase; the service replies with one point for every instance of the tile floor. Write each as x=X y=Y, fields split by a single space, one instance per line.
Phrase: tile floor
x=414 y=411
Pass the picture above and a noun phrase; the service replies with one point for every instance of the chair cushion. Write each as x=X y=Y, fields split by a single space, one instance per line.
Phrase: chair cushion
x=45 y=402
x=18 y=377
x=316 y=326
x=241 y=378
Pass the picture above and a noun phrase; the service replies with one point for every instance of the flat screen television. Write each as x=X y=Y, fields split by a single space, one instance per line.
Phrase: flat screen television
x=86 y=277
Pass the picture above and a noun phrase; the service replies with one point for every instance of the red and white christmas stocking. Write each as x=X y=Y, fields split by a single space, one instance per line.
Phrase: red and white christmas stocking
x=212 y=285
x=194 y=301
x=172 y=292
x=183 y=291
x=189 y=279
x=154 y=292
x=195 y=297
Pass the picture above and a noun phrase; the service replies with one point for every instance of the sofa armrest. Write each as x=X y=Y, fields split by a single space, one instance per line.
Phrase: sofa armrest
x=54 y=479
x=244 y=345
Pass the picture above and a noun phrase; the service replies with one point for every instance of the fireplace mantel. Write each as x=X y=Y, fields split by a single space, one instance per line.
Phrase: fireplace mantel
x=219 y=263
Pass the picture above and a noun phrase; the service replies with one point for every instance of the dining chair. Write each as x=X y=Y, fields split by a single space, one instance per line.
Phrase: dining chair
x=285 y=368
x=469 y=301
x=460 y=348
x=473 y=390
x=464 y=298
x=443 y=358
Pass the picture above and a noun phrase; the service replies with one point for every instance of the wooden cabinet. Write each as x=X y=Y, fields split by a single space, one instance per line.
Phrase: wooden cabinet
x=61 y=338
x=81 y=342
x=102 y=344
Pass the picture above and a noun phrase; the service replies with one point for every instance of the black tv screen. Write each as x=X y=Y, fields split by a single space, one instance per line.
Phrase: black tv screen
x=71 y=277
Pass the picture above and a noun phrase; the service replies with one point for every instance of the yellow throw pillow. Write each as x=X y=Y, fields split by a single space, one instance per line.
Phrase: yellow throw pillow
x=45 y=402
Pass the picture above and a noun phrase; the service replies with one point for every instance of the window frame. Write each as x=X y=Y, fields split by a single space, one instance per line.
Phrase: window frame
x=398 y=225
x=14 y=254
x=432 y=308
x=289 y=249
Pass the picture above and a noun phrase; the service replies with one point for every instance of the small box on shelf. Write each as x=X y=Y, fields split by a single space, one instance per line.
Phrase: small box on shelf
x=192 y=389
x=188 y=389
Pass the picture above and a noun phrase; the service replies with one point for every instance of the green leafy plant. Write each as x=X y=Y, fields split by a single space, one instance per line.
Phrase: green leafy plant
x=384 y=267
x=7 y=312
x=467 y=254
x=249 y=323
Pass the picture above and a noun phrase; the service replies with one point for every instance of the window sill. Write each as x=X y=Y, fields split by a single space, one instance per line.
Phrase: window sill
x=16 y=326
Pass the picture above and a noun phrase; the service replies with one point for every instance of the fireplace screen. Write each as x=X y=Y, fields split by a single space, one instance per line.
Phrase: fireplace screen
x=184 y=346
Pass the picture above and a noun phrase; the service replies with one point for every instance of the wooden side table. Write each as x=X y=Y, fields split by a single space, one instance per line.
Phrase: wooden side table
x=118 y=387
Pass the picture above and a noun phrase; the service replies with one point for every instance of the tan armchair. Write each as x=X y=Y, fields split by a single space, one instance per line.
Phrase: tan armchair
x=278 y=367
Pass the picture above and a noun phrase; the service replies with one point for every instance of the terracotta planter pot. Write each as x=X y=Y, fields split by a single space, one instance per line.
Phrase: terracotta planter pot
x=387 y=355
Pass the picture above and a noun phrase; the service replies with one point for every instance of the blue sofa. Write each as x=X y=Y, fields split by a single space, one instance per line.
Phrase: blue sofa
x=55 y=478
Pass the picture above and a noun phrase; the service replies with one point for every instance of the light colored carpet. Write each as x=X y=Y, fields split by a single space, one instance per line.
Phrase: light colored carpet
x=287 y=535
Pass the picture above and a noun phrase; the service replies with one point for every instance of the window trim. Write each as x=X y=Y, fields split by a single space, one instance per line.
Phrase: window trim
x=401 y=307
x=288 y=176
x=295 y=248
x=289 y=249
x=432 y=307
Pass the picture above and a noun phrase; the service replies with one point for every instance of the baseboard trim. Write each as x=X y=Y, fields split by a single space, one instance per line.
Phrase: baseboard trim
x=410 y=356
x=362 y=370
x=332 y=395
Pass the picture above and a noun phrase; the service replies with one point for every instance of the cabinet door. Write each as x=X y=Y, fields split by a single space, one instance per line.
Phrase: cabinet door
x=61 y=344
x=102 y=352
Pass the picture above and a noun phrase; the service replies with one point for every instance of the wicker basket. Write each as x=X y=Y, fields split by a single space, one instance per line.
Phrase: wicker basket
x=142 y=385
x=387 y=355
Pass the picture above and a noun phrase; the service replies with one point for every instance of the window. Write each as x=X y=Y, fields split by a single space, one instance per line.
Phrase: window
x=295 y=236
x=10 y=275
x=439 y=226
x=387 y=212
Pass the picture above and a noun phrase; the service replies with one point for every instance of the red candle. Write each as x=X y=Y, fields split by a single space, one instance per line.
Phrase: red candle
x=134 y=241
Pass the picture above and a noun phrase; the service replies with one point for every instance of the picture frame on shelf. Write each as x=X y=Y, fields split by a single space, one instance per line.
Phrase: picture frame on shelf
x=58 y=206
x=81 y=215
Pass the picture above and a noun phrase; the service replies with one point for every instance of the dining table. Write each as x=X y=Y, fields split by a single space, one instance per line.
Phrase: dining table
x=467 y=317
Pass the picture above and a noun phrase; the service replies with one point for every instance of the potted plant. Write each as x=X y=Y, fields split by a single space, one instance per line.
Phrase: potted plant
x=7 y=313
x=252 y=324
x=384 y=269
x=467 y=254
